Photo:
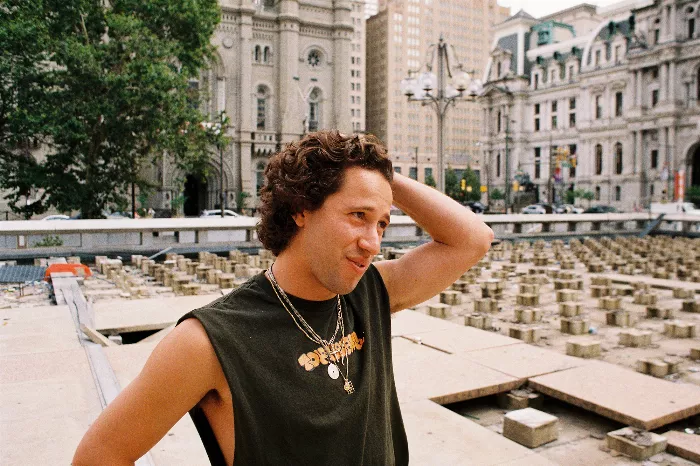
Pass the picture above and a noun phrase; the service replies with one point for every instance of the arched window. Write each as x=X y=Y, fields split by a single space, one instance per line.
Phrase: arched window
x=597 y=193
x=618 y=158
x=256 y=55
x=314 y=109
x=498 y=165
x=259 y=176
x=697 y=85
x=618 y=193
x=690 y=14
x=266 y=55
x=262 y=96
x=656 y=31
x=598 y=159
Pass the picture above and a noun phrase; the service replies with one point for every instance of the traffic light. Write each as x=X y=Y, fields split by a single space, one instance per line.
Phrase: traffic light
x=464 y=184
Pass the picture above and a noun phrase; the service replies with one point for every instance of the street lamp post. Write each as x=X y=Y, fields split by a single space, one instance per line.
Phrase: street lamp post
x=421 y=90
x=217 y=131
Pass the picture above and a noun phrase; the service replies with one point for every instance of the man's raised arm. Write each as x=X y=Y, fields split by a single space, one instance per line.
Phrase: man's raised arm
x=459 y=240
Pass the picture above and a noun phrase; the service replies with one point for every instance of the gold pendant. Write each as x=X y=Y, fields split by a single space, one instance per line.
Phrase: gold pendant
x=348 y=387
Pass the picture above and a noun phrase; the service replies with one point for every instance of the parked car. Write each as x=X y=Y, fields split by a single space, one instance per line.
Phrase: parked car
x=56 y=217
x=533 y=209
x=548 y=208
x=568 y=209
x=217 y=213
x=476 y=207
x=600 y=209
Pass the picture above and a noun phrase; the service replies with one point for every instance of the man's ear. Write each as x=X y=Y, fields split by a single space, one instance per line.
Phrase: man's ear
x=300 y=218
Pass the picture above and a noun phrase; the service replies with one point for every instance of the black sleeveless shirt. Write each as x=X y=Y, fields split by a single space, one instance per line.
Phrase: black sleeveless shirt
x=287 y=409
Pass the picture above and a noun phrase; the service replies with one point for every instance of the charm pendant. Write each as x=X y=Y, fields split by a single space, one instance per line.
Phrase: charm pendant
x=348 y=387
x=333 y=371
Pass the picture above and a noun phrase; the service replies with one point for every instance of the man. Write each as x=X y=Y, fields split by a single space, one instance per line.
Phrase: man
x=294 y=367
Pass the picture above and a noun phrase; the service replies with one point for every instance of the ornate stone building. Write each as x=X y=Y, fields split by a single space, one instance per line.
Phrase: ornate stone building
x=603 y=99
x=283 y=67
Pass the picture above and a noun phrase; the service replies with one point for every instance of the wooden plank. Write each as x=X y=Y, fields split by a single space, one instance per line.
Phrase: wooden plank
x=523 y=361
x=410 y=322
x=438 y=436
x=621 y=394
x=95 y=336
x=424 y=373
x=686 y=446
x=461 y=339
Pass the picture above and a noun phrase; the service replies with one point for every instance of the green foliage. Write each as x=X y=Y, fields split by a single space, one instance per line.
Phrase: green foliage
x=472 y=180
x=452 y=184
x=570 y=197
x=692 y=194
x=49 y=242
x=106 y=88
x=241 y=197
x=430 y=181
x=497 y=194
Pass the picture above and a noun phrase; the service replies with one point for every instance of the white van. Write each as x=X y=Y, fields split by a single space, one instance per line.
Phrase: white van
x=674 y=208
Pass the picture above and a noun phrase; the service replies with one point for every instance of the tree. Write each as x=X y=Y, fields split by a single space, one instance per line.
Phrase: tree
x=497 y=194
x=471 y=180
x=452 y=184
x=106 y=89
x=692 y=194
x=587 y=195
x=430 y=181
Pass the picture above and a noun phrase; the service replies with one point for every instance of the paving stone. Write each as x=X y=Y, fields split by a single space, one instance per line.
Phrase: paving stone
x=574 y=325
x=680 y=329
x=440 y=310
x=528 y=316
x=635 y=338
x=583 y=349
x=526 y=334
x=530 y=427
x=635 y=443
x=654 y=312
x=480 y=321
x=684 y=445
x=569 y=309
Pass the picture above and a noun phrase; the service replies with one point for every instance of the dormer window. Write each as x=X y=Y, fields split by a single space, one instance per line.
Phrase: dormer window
x=690 y=15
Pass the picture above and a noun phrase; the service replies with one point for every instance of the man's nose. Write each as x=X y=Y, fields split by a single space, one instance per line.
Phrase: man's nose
x=371 y=241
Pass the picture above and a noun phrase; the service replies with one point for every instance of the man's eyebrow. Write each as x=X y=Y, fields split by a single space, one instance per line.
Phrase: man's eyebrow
x=385 y=217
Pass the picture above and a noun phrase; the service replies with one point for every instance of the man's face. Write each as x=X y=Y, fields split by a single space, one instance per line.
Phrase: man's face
x=340 y=239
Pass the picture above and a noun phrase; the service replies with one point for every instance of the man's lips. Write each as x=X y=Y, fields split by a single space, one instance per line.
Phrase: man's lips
x=361 y=264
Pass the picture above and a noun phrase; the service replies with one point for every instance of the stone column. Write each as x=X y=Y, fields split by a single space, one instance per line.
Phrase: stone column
x=642 y=164
x=672 y=82
x=664 y=23
x=674 y=19
x=342 y=36
x=290 y=116
x=663 y=94
x=638 y=88
x=673 y=162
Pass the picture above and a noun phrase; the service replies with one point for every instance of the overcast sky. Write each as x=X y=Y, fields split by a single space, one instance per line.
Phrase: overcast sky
x=538 y=8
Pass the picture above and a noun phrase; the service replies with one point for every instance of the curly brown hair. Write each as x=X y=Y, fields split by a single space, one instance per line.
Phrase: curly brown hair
x=305 y=173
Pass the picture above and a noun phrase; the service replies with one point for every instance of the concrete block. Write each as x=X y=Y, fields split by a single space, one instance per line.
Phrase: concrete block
x=680 y=329
x=569 y=309
x=191 y=267
x=695 y=353
x=574 y=325
x=684 y=445
x=191 y=289
x=567 y=264
x=623 y=290
x=601 y=281
x=610 y=303
x=618 y=318
x=567 y=296
x=583 y=349
x=523 y=299
x=439 y=310
x=480 y=321
x=655 y=367
x=487 y=305
x=530 y=427
x=526 y=334
x=635 y=338
x=213 y=276
x=528 y=316
x=654 y=312
x=226 y=280
x=690 y=305
x=596 y=267
x=635 y=443
x=529 y=288
x=598 y=291
x=683 y=293
x=451 y=297
x=519 y=399
x=202 y=271
x=645 y=298
x=461 y=286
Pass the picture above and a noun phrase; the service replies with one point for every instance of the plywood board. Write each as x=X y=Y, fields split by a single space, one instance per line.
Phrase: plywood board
x=425 y=373
x=145 y=314
x=438 y=436
x=37 y=330
x=621 y=394
x=684 y=445
x=411 y=322
x=523 y=361
x=462 y=339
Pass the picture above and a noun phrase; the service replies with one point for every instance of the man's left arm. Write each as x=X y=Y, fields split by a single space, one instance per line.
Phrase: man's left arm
x=459 y=240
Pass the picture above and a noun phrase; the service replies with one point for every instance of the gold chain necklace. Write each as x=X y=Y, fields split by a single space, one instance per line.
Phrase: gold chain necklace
x=310 y=333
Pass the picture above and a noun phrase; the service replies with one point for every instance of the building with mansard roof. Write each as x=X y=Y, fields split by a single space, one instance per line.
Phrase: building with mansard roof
x=600 y=99
x=283 y=67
